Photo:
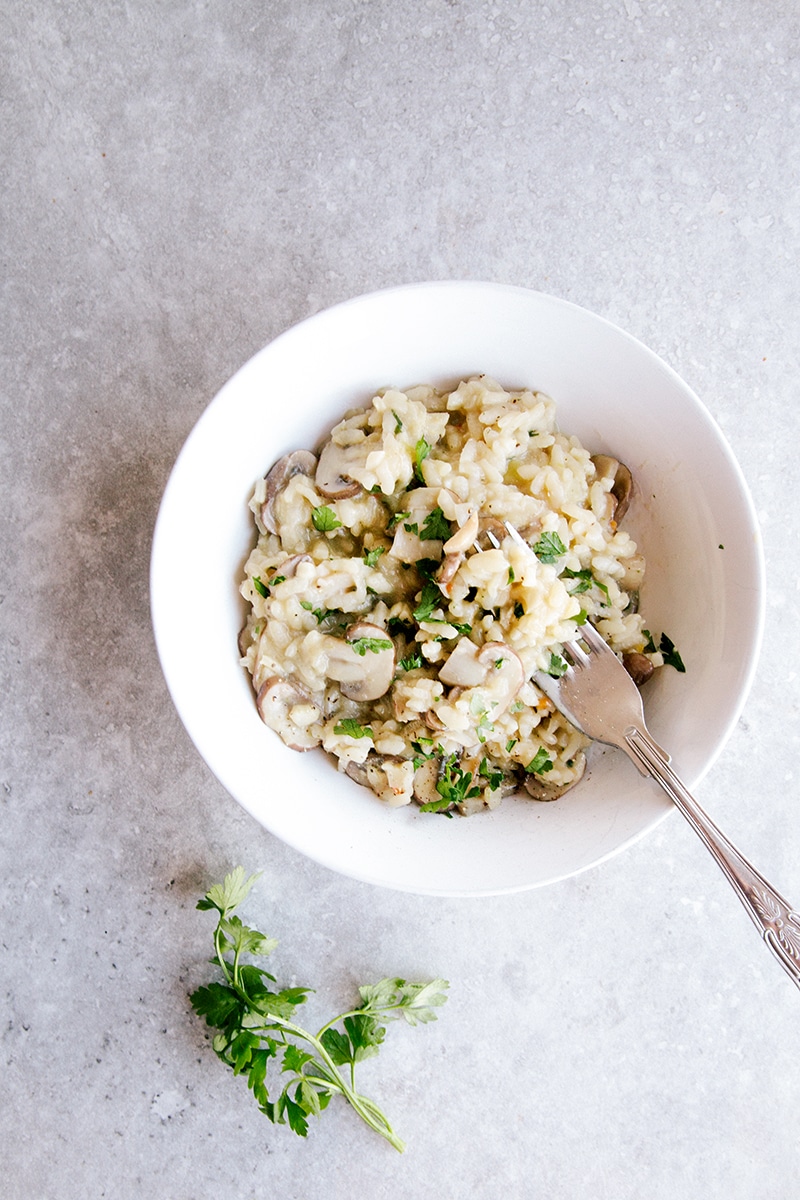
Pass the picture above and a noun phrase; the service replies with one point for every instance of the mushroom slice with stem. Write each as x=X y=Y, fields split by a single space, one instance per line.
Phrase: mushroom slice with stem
x=462 y=667
x=504 y=674
x=621 y=489
x=285 y=706
x=363 y=662
x=331 y=478
x=455 y=549
x=299 y=462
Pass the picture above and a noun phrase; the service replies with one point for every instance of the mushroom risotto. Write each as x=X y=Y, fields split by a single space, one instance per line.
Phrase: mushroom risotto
x=397 y=622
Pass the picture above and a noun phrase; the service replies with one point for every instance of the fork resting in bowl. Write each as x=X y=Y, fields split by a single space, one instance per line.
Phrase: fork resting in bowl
x=598 y=696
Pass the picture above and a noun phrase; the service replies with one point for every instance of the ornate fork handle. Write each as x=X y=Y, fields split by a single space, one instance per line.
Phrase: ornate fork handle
x=772 y=915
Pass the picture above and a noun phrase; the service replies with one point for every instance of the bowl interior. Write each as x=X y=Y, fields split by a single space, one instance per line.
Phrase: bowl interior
x=692 y=517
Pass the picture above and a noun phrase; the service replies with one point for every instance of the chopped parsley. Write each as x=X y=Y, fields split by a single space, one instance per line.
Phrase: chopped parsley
x=519 y=611
x=427 y=567
x=435 y=527
x=324 y=519
x=411 y=527
x=671 y=656
x=454 y=787
x=395 y=519
x=374 y=645
x=494 y=778
x=586 y=581
x=411 y=661
x=421 y=452
x=351 y=728
x=558 y=666
x=430 y=599
x=319 y=613
x=541 y=763
x=260 y=587
x=549 y=548
x=398 y=424
x=371 y=556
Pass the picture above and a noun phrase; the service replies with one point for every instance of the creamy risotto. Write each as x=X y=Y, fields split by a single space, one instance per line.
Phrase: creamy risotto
x=397 y=622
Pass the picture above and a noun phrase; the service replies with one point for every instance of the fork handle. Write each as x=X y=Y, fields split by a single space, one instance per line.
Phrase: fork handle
x=777 y=921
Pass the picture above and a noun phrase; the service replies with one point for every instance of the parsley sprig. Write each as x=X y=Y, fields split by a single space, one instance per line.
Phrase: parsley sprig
x=454 y=786
x=257 y=1028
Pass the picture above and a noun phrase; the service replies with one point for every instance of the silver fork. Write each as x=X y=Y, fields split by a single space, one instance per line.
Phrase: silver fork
x=597 y=695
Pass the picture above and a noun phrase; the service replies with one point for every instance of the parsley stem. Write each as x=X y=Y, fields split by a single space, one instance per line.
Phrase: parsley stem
x=366 y=1109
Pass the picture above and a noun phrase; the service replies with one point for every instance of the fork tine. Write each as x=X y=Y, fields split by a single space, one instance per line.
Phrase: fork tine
x=516 y=535
x=576 y=653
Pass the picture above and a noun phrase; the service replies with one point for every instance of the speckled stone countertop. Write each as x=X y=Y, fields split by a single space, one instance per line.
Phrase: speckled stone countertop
x=183 y=180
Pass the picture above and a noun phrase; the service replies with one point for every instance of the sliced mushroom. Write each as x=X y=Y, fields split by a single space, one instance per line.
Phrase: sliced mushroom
x=407 y=545
x=462 y=666
x=288 y=568
x=432 y=719
x=464 y=537
x=505 y=674
x=538 y=787
x=390 y=778
x=426 y=777
x=621 y=489
x=362 y=676
x=455 y=549
x=276 y=699
x=299 y=462
x=331 y=478
x=448 y=572
x=638 y=666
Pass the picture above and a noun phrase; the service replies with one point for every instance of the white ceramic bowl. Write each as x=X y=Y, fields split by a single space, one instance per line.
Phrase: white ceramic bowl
x=693 y=520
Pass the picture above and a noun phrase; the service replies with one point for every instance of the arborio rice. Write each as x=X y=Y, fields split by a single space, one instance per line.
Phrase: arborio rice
x=396 y=622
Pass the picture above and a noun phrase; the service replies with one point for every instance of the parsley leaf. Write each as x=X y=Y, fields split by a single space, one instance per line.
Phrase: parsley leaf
x=260 y=587
x=421 y=452
x=586 y=580
x=454 y=786
x=398 y=424
x=671 y=656
x=375 y=645
x=256 y=1025
x=319 y=613
x=411 y=662
x=494 y=778
x=430 y=599
x=324 y=519
x=351 y=728
x=557 y=666
x=435 y=527
x=371 y=556
x=540 y=763
x=549 y=548
x=395 y=519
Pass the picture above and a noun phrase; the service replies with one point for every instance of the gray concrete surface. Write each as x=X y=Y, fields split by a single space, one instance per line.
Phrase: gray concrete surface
x=182 y=181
